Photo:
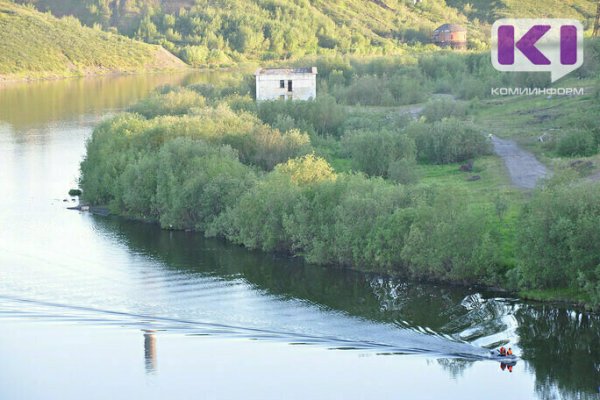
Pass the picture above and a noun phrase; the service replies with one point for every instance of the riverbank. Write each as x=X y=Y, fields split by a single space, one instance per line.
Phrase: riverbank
x=274 y=190
x=7 y=80
x=560 y=296
x=25 y=77
x=565 y=296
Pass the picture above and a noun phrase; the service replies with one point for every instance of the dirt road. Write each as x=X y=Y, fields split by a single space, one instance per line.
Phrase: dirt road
x=524 y=169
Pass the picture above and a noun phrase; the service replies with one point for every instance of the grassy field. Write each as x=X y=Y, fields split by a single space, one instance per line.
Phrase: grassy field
x=539 y=122
x=36 y=45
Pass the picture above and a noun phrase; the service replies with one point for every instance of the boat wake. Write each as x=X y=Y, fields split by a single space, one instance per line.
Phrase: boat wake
x=405 y=342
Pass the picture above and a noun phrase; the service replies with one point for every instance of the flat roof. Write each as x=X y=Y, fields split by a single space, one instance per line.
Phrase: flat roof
x=286 y=71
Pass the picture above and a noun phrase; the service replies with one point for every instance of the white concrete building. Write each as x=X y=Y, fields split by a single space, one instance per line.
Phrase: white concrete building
x=286 y=83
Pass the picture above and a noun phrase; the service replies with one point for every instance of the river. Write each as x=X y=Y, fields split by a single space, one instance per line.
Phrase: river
x=101 y=307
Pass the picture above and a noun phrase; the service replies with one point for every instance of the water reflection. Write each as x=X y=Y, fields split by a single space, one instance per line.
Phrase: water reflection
x=455 y=367
x=149 y=351
x=560 y=346
x=30 y=104
x=563 y=346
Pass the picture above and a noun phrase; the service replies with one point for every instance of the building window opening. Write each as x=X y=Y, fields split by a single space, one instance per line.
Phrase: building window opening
x=289 y=86
x=282 y=84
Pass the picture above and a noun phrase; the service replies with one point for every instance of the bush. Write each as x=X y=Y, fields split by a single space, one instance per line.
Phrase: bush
x=559 y=238
x=195 y=55
x=334 y=221
x=174 y=102
x=452 y=240
x=403 y=171
x=372 y=152
x=257 y=221
x=577 y=143
x=187 y=200
x=386 y=90
x=267 y=147
x=135 y=192
x=108 y=154
x=439 y=109
x=448 y=141
x=120 y=165
x=322 y=116
x=472 y=87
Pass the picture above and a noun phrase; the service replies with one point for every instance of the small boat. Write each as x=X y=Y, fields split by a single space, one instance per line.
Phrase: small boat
x=504 y=359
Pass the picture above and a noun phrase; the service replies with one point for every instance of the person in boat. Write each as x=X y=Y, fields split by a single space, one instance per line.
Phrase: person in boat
x=509 y=352
x=502 y=351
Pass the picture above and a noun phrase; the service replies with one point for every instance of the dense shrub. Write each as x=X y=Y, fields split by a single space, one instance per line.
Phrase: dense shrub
x=322 y=116
x=386 y=90
x=366 y=90
x=348 y=219
x=267 y=147
x=135 y=191
x=258 y=219
x=577 y=143
x=439 y=109
x=372 y=152
x=443 y=65
x=368 y=119
x=196 y=182
x=109 y=151
x=226 y=85
x=586 y=118
x=363 y=202
x=194 y=55
x=173 y=102
x=452 y=240
x=448 y=141
x=559 y=238
x=120 y=164
x=403 y=171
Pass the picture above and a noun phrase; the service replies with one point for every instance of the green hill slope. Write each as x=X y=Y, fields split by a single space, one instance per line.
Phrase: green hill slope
x=36 y=45
x=223 y=32
x=489 y=11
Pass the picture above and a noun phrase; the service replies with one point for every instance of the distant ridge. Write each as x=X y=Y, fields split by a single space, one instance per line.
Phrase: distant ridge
x=35 y=45
x=221 y=33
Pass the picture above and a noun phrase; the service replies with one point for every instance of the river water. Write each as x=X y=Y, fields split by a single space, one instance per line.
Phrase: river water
x=100 y=307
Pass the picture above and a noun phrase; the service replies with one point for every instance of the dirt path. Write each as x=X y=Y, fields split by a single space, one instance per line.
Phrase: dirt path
x=524 y=169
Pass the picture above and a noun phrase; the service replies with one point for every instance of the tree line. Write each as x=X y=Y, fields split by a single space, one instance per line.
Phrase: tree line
x=213 y=168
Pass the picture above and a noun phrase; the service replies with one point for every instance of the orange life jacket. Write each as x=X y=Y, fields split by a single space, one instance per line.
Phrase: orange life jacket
x=509 y=352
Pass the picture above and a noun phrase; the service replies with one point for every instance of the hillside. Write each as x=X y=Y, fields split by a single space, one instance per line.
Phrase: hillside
x=223 y=32
x=36 y=45
x=489 y=11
